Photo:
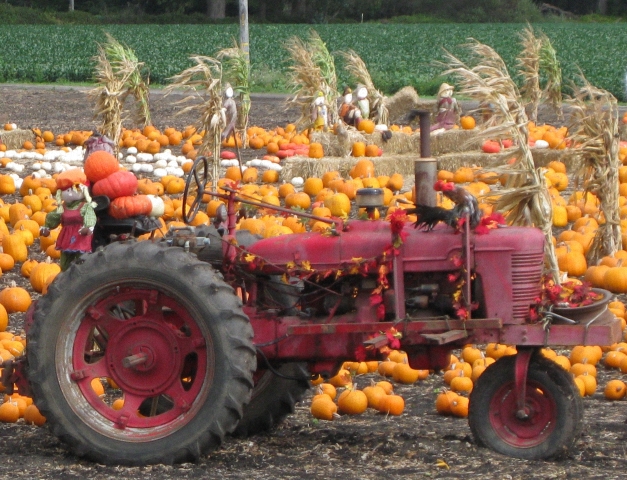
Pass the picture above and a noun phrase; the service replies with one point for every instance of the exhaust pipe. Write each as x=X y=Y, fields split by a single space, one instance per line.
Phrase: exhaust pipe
x=425 y=167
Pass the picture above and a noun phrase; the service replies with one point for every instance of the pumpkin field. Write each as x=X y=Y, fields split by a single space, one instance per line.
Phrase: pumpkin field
x=420 y=431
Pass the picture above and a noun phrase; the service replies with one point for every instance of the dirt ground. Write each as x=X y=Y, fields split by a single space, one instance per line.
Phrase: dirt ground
x=364 y=447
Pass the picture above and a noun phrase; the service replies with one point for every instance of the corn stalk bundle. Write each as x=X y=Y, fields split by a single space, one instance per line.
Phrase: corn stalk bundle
x=595 y=130
x=123 y=59
x=550 y=67
x=357 y=69
x=525 y=198
x=529 y=64
x=109 y=94
x=203 y=82
x=312 y=71
x=236 y=70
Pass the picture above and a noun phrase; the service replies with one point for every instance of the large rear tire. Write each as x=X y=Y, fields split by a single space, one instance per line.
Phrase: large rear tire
x=164 y=328
x=554 y=417
x=273 y=398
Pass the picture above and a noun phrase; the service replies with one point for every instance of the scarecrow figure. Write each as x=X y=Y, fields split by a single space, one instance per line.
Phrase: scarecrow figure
x=229 y=107
x=448 y=109
x=319 y=113
x=98 y=142
x=349 y=113
x=363 y=104
x=75 y=213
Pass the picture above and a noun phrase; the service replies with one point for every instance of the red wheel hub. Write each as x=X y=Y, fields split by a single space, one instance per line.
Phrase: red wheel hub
x=152 y=348
x=154 y=357
x=523 y=431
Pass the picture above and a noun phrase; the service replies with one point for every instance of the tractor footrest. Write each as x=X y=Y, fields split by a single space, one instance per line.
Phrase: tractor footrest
x=446 y=337
x=377 y=342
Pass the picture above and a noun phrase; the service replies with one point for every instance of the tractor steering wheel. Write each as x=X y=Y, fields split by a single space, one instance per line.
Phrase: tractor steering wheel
x=195 y=187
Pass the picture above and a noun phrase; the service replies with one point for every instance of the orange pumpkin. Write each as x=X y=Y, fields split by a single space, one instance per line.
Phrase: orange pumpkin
x=99 y=165
x=15 y=299
x=467 y=122
x=323 y=408
x=359 y=149
x=316 y=150
x=352 y=402
x=391 y=405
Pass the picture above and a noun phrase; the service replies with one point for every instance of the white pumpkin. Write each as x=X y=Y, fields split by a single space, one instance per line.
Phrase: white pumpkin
x=158 y=206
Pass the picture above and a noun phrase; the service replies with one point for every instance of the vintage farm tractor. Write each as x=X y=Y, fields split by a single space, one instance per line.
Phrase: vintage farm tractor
x=212 y=330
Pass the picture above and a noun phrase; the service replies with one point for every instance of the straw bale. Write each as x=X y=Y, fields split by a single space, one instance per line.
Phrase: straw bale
x=14 y=139
x=404 y=163
x=541 y=158
x=455 y=140
x=309 y=167
x=400 y=143
x=337 y=145
x=401 y=103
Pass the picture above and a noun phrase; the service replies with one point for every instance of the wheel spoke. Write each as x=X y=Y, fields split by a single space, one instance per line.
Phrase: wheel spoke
x=100 y=317
x=129 y=410
x=84 y=371
x=154 y=308
x=182 y=400
x=189 y=345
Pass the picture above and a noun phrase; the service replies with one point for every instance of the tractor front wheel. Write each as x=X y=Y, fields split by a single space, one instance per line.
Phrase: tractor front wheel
x=140 y=354
x=553 y=416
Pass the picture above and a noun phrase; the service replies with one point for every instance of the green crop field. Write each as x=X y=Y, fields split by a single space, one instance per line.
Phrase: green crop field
x=396 y=55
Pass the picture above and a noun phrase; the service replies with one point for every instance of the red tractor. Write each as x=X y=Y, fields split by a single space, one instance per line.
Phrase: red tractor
x=212 y=330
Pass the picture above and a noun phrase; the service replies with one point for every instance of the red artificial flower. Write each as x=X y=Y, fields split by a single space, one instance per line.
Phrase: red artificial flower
x=376 y=299
x=381 y=311
x=361 y=353
x=393 y=341
x=452 y=277
x=461 y=313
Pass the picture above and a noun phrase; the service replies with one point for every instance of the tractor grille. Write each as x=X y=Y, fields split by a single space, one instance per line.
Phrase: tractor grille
x=526 y=278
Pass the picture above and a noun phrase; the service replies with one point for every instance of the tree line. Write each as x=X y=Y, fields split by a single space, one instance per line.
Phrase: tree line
x=329 y=11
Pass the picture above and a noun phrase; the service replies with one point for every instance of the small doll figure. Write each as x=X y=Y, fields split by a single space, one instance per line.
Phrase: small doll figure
x=229 y=107
x=363 y=104
x=448 y=109
x=319 y=113
x=98 y=142
x=75 y=213
x=349 y=113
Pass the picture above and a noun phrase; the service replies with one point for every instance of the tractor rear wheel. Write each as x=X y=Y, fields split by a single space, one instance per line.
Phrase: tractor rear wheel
x=554 y=410
x=167 y=338
x=273 y=397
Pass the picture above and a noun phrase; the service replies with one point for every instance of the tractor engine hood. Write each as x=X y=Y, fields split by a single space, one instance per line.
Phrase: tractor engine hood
x=363 y=239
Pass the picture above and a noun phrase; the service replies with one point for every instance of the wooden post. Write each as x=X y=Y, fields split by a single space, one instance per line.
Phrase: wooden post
x=243 y=28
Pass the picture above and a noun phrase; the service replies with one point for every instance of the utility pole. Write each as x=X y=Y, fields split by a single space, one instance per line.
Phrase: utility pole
x=71 y=5
x=243 y=29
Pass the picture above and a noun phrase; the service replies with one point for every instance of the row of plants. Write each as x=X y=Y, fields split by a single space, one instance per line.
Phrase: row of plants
x=397 y=55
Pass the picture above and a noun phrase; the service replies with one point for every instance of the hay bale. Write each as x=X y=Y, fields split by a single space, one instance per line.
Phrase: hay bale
x=14 y=139
x=401 y=103
x=309 y=167
x=314 y=167
x=339 y=145
x=404 y=163
x=541 y=157
x=400 y=143
x=450 y=141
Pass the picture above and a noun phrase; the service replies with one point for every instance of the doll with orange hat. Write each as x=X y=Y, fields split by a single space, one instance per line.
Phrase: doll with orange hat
x=76 y=215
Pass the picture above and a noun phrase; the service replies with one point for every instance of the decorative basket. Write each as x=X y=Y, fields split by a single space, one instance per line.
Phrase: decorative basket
x=586 y=312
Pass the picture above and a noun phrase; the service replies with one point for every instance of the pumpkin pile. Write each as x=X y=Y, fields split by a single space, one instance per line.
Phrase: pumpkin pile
x=103 y=171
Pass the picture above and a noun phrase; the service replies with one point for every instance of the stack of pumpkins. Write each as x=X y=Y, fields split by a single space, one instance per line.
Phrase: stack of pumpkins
x=102 y=169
